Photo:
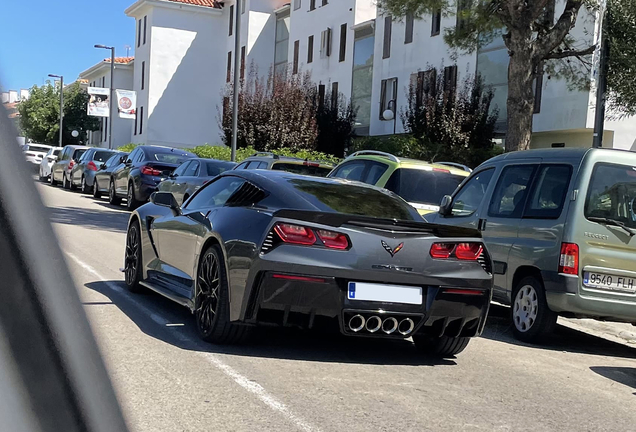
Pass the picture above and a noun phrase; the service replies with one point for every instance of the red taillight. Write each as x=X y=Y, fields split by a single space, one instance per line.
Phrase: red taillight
x=462 y=291
x=441 y=170
x=295 y=234
x=91 y=166
x=312 y=164
x=569 y=260
x=70 y=164
x=150 y=171
x=298 y=278
x=442 y=250
x=468 y=251
x=333 y=240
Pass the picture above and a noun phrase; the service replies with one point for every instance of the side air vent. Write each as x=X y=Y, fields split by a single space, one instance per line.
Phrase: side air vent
x=246 y=195
x=268 y=244
x=484 y=261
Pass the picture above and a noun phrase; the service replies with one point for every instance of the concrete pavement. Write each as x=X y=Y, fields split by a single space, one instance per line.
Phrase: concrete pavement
x=168 y=380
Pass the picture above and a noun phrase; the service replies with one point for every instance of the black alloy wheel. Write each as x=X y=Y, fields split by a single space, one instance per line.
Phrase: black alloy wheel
x=212 y=309
x=112 y=195
x=131 y=202
x=132 y=265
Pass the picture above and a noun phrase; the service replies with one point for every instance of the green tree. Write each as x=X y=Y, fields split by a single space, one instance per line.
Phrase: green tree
x=533 y=37
x=40 y=114
x=621 y=80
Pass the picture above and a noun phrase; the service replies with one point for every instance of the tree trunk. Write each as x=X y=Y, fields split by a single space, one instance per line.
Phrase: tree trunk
x=520 y=100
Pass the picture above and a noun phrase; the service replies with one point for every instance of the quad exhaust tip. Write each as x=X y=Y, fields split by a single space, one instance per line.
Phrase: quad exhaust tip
x=406 y=326
x=373 y=324
x=356 y=323
x=389 y=325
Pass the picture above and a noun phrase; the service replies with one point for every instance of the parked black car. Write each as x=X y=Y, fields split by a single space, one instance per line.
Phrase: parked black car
x=271 y=247
x=83 y=173
x=142 y=171
x=104 y=172
x=191 y=175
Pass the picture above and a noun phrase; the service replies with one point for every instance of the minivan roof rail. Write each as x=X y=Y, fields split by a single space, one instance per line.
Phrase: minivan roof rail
x=376 y=153
x=263 y=153
x=456 y=165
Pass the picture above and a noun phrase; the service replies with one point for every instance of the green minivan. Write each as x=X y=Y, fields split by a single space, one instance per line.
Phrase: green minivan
x=560 y=226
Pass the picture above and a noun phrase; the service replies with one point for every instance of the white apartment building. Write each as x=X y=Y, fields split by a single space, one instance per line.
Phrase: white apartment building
x=99 y=76
x=183 y=66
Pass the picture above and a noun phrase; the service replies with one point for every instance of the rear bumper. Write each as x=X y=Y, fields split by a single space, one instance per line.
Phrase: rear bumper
x=302 y=300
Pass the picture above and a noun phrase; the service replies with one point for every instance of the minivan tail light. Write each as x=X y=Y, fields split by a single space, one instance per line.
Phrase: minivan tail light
x=91 y=166
x=468 y=251
x=295 y=234
x=442 y=250
x=70 y=164
x=150 y=171
x=333 y=240
x=569 y=260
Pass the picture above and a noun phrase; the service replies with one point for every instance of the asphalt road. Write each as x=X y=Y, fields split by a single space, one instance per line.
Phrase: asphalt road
x=168 y=380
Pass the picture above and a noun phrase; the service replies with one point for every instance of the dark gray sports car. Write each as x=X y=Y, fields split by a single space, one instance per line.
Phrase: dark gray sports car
x=267 y=247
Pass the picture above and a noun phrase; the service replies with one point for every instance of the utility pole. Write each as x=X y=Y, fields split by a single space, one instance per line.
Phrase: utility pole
x=236 y=84
x=111 y=89
x=61 y=104
x=601 y=83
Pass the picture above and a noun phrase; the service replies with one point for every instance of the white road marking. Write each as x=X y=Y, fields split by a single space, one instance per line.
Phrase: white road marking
x=251 y=386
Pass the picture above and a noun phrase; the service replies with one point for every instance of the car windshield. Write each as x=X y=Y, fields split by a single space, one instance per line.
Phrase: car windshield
x=101 y=156
x=352 y=199
x=422 y=186
x=169 y=157
x=216 y=168
x=78 y=153
x=612 y=193
x=56 y=152
x=304 y=169
x=35 y=148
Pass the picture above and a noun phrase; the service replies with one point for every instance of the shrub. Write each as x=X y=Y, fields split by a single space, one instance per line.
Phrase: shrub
x=127 y=147
x=399 y=145
x=225 y=153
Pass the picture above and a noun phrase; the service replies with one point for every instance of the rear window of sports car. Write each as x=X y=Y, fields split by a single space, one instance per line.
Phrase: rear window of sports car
x=352 y=199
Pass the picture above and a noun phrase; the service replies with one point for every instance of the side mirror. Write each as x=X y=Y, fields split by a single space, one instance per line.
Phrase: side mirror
x=123 y=159
x=102 y=166
x=445 y=206
x=166 y=199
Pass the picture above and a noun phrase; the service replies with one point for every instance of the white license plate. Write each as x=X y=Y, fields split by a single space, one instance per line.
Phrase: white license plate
x=384 y=293
x=609 y=282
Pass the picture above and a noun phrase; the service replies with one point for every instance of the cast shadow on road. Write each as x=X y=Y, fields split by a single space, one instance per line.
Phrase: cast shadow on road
x=289 y=344
x=622 y=375
x=116 y=221
x=499 y=328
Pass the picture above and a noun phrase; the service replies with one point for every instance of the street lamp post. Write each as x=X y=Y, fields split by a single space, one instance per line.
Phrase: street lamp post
x=236 y=84
x=112 y=97
x=61 y=103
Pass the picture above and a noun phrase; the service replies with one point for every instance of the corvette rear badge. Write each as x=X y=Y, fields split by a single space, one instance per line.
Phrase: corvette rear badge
x=392 y=252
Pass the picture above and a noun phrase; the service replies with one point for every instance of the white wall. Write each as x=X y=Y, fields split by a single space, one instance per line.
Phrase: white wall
x=142 y=56
x=186 y=69
x=424 y=52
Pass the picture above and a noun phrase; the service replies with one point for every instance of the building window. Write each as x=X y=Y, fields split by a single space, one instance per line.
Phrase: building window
x=462 y=7
x=242 y=63
x=105 y=128
x=386 y=48
x=436 y=22
x=450 y=78
x=321 y=95
x=141 y=120
x=139 y=33
x=103 y=81
x=242 y=6
x=362 y=82
x=408 y=31
x=343 y=42
x=228 y=73
x=425 y=86
x=296 y=53
x=388 y=96
x=143 y=75
x=334 y=96
x=281 y=50
x=325 y=43
x=231 y=30
x=145 y=19
x=312 y=5
x=298 y=4
x=325 y=2
x=538 y=88
x=310 y=49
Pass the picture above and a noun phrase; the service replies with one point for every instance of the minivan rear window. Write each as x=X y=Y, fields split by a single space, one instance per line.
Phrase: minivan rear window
x=297 y=168
x=422 y=186
x=612 y=193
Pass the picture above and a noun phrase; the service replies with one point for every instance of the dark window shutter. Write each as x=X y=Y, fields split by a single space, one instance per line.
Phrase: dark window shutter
x=312 y=5
x=141 y=120
x=242 y=62
x=436 y=19
x=231 y=30
x=145 y=18
x=328 y=41
x=334 y=95
x=228 y=75
x=343 y=42
x=139 y=34
x=450 y=78
x=408 y=35
x=321 y=95
x=310 y=49
x=382 y=99
x=386 y=49
x=143 y=75
x=296 y=54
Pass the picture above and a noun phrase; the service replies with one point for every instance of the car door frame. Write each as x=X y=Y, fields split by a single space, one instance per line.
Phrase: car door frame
x=121 y=178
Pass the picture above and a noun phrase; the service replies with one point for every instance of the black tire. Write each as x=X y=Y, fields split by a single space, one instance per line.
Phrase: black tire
x=51 y=181
x=212 y=308
x=440 y=346
x=112 y=194
x=85 y=189
x=42 y=179
x=65 y=183
x=539 y=319
x=131 y=201
x=71 y=185
x=96 y=193
x=132 y=258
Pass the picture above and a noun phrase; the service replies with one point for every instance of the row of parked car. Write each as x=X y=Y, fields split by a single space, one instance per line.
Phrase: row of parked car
x=559 y=224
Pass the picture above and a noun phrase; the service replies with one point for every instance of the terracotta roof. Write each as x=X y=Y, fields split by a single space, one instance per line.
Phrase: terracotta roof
x=207 y=3
x=120 y=60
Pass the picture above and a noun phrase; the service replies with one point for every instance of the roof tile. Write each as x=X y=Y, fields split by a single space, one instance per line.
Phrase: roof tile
x=120 y=60
x=207 y=3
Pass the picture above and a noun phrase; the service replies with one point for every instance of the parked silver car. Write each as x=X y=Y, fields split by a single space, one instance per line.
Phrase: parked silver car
x=47 y=162
x=61 y=169
x=560 y=225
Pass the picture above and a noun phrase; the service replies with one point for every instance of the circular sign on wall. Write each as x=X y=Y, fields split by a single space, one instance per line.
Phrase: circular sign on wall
x=125 y=103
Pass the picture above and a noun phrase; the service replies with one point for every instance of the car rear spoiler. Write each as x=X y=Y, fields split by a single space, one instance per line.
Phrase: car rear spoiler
x=340 y=219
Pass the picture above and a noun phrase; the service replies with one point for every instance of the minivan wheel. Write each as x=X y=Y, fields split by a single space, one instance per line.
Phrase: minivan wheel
x=532 y=319
x=64 y=181
x=112 y=195
x=85 y=188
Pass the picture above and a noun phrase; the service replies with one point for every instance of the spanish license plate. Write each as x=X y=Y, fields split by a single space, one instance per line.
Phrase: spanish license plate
x=609 y=282
x=384 y=293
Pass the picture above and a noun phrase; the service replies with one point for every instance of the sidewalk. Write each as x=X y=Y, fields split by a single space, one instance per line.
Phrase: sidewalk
x=617 y=332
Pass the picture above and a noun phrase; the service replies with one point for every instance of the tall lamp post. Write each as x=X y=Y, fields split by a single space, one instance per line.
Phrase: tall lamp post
x=236 y=84
x=61 y=103
x=112 y=97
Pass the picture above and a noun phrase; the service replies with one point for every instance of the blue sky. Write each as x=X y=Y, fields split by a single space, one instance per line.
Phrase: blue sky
x=43 y=36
